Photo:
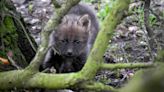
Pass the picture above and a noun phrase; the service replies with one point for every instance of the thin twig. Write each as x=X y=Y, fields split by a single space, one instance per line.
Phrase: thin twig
x=24 y=29
x=13 y=63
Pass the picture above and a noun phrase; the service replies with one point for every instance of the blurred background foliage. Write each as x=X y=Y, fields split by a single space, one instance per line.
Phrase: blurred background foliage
x=8 y=37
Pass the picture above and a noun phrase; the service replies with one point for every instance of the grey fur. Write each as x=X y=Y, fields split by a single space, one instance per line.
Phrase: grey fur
x=72 y=19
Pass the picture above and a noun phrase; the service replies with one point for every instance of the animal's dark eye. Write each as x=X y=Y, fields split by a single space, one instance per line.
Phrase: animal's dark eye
x=64 y=41
x=76 y=41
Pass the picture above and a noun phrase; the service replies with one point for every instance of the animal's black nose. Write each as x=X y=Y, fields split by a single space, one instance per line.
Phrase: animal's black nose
x=69 y=53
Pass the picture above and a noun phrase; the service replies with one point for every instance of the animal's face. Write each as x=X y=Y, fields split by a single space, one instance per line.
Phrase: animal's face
x=72 y=36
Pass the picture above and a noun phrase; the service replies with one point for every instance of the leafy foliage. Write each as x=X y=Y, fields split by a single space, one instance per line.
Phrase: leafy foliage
x=103 y=7
x=8 y=35
x=152 y=19
x=140 y=12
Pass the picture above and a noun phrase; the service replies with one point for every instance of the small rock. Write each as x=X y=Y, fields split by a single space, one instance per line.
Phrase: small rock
x=143 y=43
x=33 y=21
x=33 y=27
x=133 y=28
x=41 y=3
x=139 y=33
x=27 y=19
x=20 y=2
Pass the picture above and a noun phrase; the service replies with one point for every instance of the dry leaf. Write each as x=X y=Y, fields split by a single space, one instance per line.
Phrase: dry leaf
x=4 y=61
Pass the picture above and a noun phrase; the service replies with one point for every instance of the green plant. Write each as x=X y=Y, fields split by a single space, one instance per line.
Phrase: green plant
x=103 y=12
x=104 y=9
x=152 y=19
x=140 y=13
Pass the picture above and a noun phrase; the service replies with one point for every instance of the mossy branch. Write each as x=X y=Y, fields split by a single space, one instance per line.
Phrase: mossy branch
x=56 y=4
x=95 y=58
x=150 y=80
x=97 y=86
x=32 y=78
x=126 y=65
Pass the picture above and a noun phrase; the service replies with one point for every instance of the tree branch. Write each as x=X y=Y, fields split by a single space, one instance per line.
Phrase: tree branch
x=56 y=4
x=149 y=80
x=95 y=58
x=126 y=65
x=31 y=78
x=97 y=86
x=50 y=26
x=150 y=39
x=146 y=18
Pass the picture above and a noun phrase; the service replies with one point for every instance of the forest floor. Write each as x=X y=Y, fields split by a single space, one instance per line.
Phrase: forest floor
x=130 y=42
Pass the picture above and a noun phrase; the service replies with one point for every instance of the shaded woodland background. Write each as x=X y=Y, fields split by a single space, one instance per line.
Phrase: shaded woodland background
x=138 y=37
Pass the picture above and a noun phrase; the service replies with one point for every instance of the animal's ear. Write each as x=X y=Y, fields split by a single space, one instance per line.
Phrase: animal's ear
x=85 y=21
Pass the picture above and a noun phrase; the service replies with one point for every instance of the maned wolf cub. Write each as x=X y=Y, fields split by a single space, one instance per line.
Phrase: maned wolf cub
x=72 y=40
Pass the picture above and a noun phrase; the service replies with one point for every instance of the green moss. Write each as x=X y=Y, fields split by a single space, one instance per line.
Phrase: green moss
x=160 y=57
x=9 y=39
